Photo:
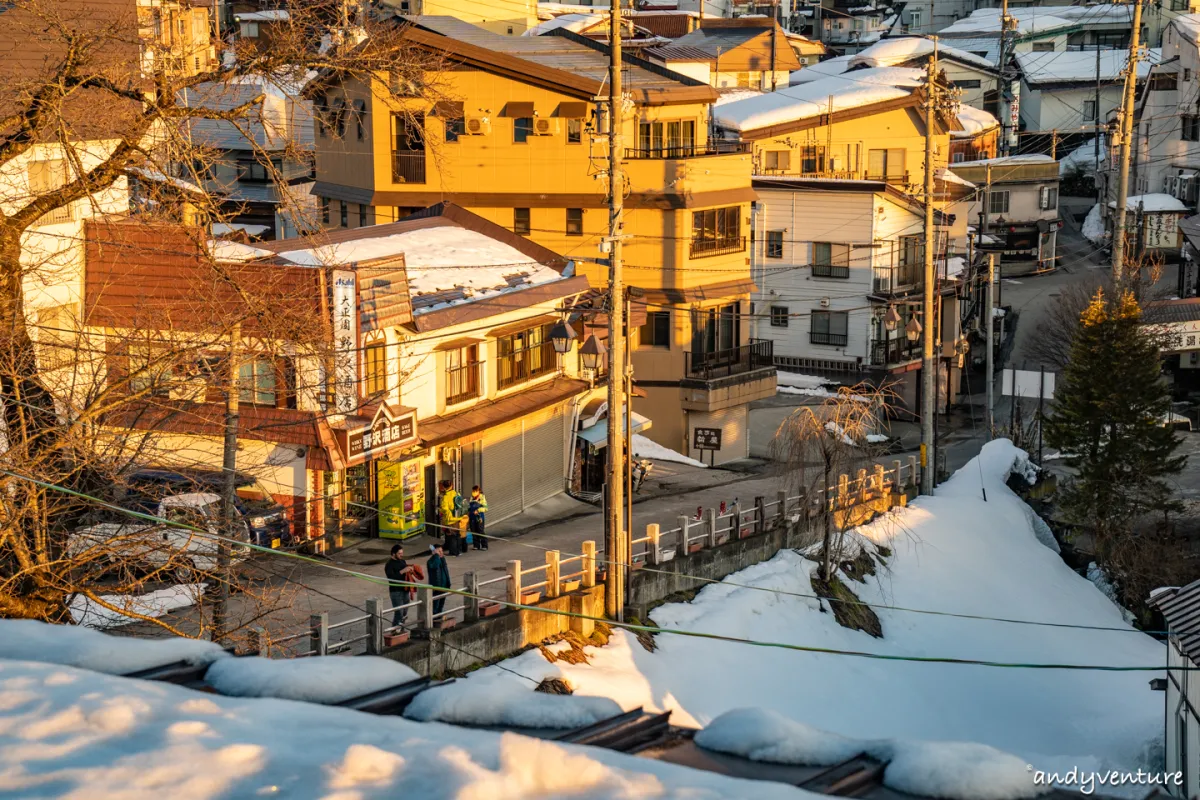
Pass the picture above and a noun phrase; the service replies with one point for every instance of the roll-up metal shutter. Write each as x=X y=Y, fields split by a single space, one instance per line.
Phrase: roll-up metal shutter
x=543 y=457
x=502 y=468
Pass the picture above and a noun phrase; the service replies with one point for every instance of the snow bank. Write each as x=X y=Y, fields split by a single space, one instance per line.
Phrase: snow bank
x=70 y=733
x=155 y=604
x=1093 y=226
x=482 y=704
x=950 y=552
x=948 y=770
x=647 y=448
x=73 y=646
x=331 y=679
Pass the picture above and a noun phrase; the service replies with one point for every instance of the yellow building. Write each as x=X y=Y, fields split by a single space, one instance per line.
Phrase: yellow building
x=177 y=32
x=515 y=138
x=505 y=17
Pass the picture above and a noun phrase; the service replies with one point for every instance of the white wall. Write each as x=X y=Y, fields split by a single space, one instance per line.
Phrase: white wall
x=1045 y=109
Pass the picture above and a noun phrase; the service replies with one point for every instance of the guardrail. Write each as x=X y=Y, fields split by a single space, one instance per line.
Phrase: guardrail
x=527 y=585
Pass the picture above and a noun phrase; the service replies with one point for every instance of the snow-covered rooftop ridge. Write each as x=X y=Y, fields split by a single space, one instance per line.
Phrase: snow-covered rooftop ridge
x=477 y=705
x=806 y=100
x=948 y=770
x=1151 y=202
x=974 y=122
x=1028 y=21
x=1024 y=158
x=897 y=50
x=1188 y=26
x=262 y=16
x=822 y=69
x=438 y=259
x=571 y=22
x=326 y=680
x=74 y=646
x=1080 y=65
x=231 y=251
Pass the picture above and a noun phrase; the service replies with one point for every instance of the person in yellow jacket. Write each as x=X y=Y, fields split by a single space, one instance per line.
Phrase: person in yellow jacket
x=454 y=519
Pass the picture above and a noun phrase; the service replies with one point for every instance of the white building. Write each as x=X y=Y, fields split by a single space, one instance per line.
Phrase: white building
x=1076 y=90
x=1182 y=722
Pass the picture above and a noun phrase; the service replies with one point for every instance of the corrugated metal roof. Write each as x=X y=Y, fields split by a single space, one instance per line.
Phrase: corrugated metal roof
x=1181 y=608
x=1160 y=311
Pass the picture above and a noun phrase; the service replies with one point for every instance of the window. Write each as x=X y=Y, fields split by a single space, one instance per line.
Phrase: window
x=774 y=244
x=521 y=221
x=574 y=222
x=911 y=261
x=829 y=327
x=1089 y=110
x=1043 y=47
x=339 y=118
x=523 y=356
x=657 y=330
x=360 y=119
x=324 y=201
x=462 y=374
x=777 y=160
x=256 y=382
x=717 y=231
x=1048 y=198
x=408 y=148
x=812 y=158
x=997 y=202
x=57 y=338
x=668 y=139
x=1187 y=74
x=522 y=129
x=914 y=20
x=455 y=128
x=1189 y=127
x=830 y=260
x=252 y=172
x=362 y=215
x=375 y=369
x=574 y=130
x=887 y=165
x=345 y=214
x=779 y=316
x=44 y=177
x=968 y=84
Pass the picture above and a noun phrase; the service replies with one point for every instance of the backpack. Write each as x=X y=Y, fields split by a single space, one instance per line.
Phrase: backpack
x=460 y=506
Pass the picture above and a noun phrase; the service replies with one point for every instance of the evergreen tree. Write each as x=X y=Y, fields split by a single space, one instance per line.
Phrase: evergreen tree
x=1108 y=415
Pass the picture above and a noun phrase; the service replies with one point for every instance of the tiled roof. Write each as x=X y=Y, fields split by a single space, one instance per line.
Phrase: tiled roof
x=1160 y=311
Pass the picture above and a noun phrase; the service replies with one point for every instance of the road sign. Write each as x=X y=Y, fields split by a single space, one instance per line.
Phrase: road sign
x=1027 y=383
x=706 y=438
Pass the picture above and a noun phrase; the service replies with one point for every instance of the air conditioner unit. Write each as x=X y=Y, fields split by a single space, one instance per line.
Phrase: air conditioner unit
x=545 y=126
x=824 y=302
x=478 y=126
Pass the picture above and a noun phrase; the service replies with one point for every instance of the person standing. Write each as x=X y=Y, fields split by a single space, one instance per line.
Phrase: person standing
x=397 y=569
x=476 y=511
x=454 y=521
x=439 y=575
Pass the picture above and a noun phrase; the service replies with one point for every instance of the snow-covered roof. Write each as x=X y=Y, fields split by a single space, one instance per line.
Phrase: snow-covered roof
x=1026 y=158
x=1028 y=21
x=1152 y=202
x=974 y=122
x=156 y=175
x=823 y=69
x=735 y=95
x=1084 y=158
x=949 y=177
x=226 y=250
x=191 y=500
x=1080 y=65
x=570 y=22
x=899 y=50
x=438 y=259
x=806 y=100
x=1188 y=26
x=262 y=16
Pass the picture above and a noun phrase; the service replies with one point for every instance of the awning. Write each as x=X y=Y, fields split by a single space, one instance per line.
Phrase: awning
x=597 y=435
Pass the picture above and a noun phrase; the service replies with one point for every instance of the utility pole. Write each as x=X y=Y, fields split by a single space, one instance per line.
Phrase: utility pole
x=774 y=26
x=929 y=362
x=616 y=547
x=1006 y=126
x=1126 y=143
x=1054 y=144
x=1096 y=117
x=989 y=310
x=229 y=529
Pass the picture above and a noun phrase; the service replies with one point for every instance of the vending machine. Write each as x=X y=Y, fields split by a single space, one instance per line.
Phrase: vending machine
x=401 y=493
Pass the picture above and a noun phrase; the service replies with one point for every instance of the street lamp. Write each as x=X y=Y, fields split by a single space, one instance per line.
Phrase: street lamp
x=913 y=329
x=891 y=319
x=561 y=336
x=592 y=353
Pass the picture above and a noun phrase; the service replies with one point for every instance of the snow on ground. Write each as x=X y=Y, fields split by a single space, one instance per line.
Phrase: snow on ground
x=812 y=385
x=1093 y=226
x=154 y=604
x=477 y=704
x=69 y=733
x=646 y=448
x=332 y=679
x=73 y=646
x=951 y=552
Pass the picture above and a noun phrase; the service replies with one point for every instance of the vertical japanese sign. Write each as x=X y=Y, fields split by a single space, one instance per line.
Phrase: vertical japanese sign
x=1014 y=119
x=345 y=341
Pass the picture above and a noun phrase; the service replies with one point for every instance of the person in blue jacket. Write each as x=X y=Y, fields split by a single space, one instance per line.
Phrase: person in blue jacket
x=476 y=512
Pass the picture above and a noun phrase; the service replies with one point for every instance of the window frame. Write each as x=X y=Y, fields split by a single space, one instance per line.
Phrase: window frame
x=375 y=377
x=521 y=349
x=463 y=361
x=830 y=260
x=779 y=316
x=574 y=222
x=657 y=330
x=711 y=231
x=522 y=228
x=522 y=130
x=574 y=130
x=823 y=318
x=773 y=247
x=1002 y=195
x=262 y=374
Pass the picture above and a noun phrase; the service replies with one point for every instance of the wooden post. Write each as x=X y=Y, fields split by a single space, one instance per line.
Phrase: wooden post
x=711 y=516
x=514 y=581
x=374 y=627
x=552 y=583
x=760 y=515
x=685 y=523
x=589 y=564
x=913 y=474
x=843 y=492
x=425 y=607
x=862 y=485
x=781 y=507
x=257 y=640
x=653 y=555
x=471 y=601
x=879 y=481
x=898 y=479
x=319 y=632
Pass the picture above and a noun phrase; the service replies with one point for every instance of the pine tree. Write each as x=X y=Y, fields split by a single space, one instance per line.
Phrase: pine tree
x=1108 y=414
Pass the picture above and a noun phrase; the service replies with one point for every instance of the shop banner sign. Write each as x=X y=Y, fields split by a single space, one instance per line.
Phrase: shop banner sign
x=345 y=341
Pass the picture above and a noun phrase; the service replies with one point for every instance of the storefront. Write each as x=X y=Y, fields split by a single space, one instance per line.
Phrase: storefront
x=383 y=487
x=590 y=468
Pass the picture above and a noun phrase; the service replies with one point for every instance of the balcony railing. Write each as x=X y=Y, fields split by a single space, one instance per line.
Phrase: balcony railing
x=462 y=383
x=713 y=148
x=408 y=166
x=825 y=337
x=759 y=354
x=894 y=351
x=702 y=248
x=904 y=278
x=525 y=365
x=830 y=271
x=900 y=178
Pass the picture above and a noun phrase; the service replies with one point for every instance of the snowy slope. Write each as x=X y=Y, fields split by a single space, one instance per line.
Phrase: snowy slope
x=70 y=733
x=951 y=552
